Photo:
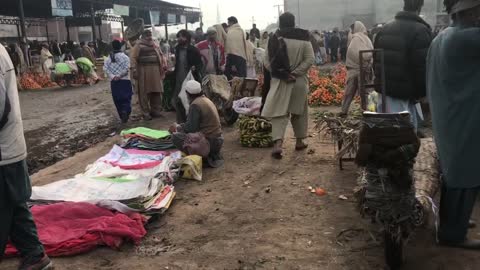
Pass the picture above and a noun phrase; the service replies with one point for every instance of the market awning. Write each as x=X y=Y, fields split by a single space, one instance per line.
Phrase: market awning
x=82 y=8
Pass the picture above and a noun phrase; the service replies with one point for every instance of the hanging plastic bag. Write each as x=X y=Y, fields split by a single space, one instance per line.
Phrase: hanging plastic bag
x=183 y=92
x=372 y=101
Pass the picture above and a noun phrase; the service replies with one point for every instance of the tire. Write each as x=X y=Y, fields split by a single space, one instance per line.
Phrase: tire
x=393 y=250
x=230 y=116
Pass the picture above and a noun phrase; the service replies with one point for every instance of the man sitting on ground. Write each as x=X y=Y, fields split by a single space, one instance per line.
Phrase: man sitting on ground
x=202 y=118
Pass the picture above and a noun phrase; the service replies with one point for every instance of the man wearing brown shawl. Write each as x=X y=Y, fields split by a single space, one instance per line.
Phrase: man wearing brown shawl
x=148 y=69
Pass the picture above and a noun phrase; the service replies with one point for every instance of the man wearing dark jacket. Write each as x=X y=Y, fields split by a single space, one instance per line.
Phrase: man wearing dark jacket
x=334 y=46
x=188 y=59
x=405 y=43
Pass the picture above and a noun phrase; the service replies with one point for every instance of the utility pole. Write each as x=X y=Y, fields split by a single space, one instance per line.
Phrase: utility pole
x=278 y=8
x=219 y=18
x=92 y=15
x=22 y=20
x=298 y=9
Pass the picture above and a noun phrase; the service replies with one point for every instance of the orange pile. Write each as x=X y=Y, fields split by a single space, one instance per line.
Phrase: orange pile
x=31 y=81
x=327 y=89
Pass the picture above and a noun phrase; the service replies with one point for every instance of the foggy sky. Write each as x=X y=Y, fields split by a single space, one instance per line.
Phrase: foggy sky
x=263 y=11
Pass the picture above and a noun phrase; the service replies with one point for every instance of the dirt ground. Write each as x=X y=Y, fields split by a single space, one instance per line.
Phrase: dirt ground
x=254 y=213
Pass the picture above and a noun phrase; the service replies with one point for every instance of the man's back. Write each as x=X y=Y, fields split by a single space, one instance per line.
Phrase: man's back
x=405 y=43
x=12 y=140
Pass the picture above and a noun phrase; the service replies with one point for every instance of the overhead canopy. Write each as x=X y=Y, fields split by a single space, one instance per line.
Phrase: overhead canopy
x=81 y=8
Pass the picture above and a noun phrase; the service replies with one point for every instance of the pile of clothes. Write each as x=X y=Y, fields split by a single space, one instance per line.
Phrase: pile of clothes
x=110 y=202
x=255 y=132
x=148 y=139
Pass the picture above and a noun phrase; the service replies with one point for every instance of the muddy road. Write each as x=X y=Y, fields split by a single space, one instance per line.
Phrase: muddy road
x=61 y=122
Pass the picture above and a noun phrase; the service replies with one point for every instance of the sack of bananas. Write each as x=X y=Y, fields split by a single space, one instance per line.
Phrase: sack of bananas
x=255 y=132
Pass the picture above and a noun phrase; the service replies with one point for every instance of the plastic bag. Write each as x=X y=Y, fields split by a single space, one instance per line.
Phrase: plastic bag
x=191 y=167
x=183 y=92
x=372 y=101
x=248 y=106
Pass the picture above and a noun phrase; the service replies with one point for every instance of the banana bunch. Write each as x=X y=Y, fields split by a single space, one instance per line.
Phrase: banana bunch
x=254 y=124
x=255 y=132
x=257 y=140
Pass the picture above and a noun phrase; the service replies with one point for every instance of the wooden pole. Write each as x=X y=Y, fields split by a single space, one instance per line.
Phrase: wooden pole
x=46 y=30
x=100 y=31
x=68 y=29
x=166 y=31
x=19 y=32
x=22 y=20
x=123 y=30
x=92 y=14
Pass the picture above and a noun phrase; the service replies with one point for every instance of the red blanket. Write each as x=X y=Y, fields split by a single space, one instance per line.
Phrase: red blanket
x=74 y=228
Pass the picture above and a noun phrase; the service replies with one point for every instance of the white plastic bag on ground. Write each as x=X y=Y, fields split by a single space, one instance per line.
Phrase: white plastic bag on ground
x=248 y=106
x=183 y=92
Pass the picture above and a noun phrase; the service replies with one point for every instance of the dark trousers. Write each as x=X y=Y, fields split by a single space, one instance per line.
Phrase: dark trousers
x=456 y=206
x=16 y=222
x=343 y=54
x=122 y=97
x=334 y=55
x=180 y=111
x=239 y=63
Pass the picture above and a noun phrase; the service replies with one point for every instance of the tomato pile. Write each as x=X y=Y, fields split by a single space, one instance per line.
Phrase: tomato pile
x=31 y=81
x=327 y=89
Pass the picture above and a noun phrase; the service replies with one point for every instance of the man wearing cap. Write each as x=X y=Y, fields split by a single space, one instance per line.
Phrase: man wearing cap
x=202 y=117
x=453 y=91
x=213 y=54
x=148 y=68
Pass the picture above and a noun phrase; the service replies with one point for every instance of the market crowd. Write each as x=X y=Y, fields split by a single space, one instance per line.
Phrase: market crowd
x=416 y=67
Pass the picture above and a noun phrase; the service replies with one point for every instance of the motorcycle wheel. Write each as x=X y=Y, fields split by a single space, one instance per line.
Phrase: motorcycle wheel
x=394 y=250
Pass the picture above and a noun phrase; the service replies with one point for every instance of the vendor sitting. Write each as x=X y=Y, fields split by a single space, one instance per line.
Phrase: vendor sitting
x=202 y=119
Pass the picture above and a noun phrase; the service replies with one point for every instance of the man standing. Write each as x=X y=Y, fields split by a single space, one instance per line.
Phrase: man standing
x=255 y=32
x=117 y=67
x=187 y=59
x=452 y=86
x=289 y=57
x=199 y=35
x=213 y=53
x=236 y=50
x=148 y=69
x=16 y=224
x=405 y=42
x=87 y=52
x=334 y=45
x=360 y=42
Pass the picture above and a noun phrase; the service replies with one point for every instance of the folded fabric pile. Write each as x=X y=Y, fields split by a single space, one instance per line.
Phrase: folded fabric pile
x=255 y=132
x=68 y=228
x=147 y=139
x=112 y=198
x=127 y=180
